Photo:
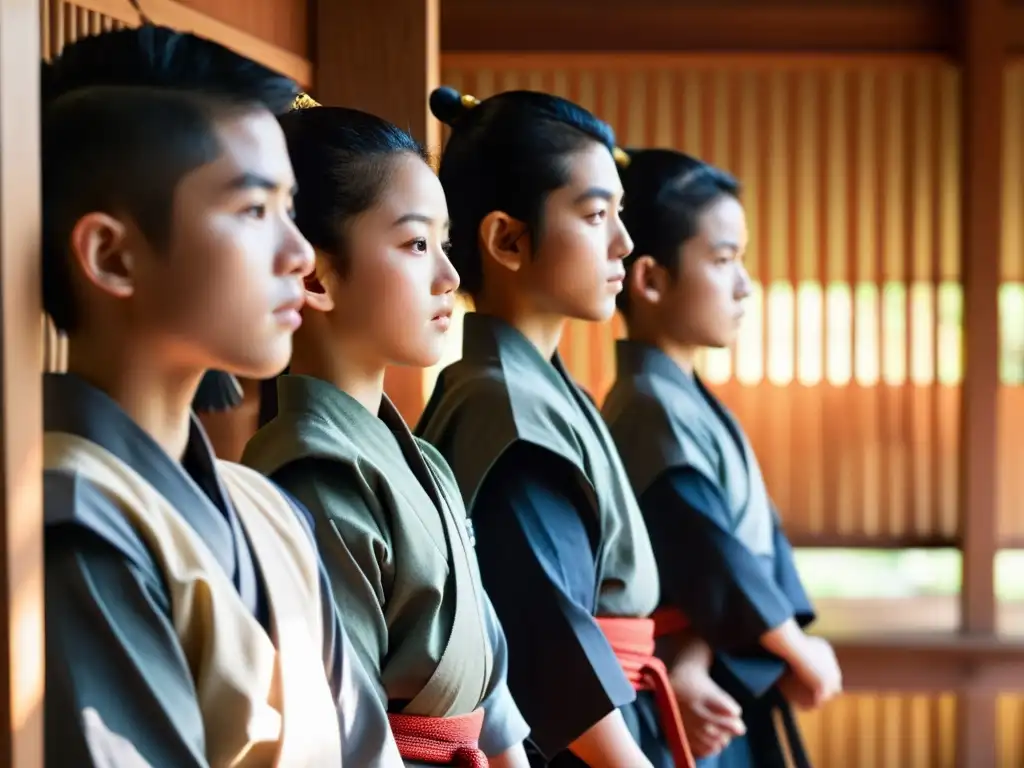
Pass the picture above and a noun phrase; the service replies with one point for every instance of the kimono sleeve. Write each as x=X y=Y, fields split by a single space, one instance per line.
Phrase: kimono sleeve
x=787 y=577
x=348 y=538
x=366 y=737
x=504 y=725
x=729 y=595
x=535 y=541
x=111 y=647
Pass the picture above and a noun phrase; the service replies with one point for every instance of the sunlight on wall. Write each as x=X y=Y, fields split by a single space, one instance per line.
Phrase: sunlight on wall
x=868 y=334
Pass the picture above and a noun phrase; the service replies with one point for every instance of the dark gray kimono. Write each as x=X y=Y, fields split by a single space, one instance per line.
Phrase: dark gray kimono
x=560 y=538
x=110 y=644
x=723 y=557
x=392 y=529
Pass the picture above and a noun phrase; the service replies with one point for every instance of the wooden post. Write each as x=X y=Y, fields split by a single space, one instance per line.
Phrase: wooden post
x=983 y=49
x=21 y=527
x=384 y=58
x=982 y=153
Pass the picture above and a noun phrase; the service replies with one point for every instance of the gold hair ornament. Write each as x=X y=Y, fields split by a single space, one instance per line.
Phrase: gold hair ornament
x=468 y=102
x=305 y=101
x=621 y=157
x=144 y=20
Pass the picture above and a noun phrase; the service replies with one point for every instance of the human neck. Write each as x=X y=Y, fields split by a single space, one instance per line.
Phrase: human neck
x=348 y=370
x=542 y=330
x=156 y=396
x=683 y=355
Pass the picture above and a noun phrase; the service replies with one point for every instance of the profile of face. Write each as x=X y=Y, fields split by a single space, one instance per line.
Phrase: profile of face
x=701 y=305
x=391 y=302
x=704 y=304
x=576 y=269
x=227 y=290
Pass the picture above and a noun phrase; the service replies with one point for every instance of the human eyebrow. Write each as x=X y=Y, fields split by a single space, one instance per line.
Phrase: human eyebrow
x=594 y=192
x=251 y=180
x=420 y=218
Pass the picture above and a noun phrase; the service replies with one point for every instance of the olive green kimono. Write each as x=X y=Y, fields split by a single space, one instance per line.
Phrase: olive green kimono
x=393 y=532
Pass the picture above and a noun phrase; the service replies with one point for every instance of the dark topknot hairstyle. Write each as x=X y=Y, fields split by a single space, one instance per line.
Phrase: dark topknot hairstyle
x=506 y=153
x=126 y=115
x=665 y=193
x=343 y=161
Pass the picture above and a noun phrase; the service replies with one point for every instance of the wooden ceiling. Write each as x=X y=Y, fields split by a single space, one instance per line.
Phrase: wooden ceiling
x=819 y=26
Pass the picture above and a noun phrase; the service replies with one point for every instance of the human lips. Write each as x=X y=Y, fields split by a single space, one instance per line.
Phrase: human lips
x=443 y=318
x=288 y=313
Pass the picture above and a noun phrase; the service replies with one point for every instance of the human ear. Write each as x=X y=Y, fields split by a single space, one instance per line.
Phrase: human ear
x=99 y=245
x=318 y=295
x=504 y=239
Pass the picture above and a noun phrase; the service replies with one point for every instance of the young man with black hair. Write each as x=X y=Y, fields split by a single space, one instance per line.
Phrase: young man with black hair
x=189 y=620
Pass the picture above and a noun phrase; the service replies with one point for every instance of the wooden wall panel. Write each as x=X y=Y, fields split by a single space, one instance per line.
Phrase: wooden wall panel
x=284 y=23
x=1010 y=727
x=1011 y=392
x=846 y=373
x=882 y=731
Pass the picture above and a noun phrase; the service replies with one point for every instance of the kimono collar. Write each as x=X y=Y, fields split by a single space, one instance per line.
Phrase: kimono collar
x=488 y=339
x=633 y=358
x=322 y=399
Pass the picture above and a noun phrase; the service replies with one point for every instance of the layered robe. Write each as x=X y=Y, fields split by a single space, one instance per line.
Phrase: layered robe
x=723 y=556
x=187 y=611
x=560 y=539
x=393 y=531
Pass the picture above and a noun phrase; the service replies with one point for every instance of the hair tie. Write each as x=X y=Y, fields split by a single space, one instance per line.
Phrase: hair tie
x=621 y=156
x=305 y=101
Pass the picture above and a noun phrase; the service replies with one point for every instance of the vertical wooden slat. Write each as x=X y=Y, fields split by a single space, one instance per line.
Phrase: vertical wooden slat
x=983 y=54
x=882 y=730
x=982 y=120
x=21 y=518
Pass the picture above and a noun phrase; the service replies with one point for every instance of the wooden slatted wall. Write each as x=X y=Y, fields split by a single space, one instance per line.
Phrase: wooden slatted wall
x=883 y=731
x=847 y=370
x=1011 y=391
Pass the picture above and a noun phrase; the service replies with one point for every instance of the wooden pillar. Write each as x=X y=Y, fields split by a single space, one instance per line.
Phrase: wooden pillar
x=983 y=46
x=383 y=57
x=21 y=529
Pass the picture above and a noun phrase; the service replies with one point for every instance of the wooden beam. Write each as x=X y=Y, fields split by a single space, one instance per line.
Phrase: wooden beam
x=648 y=25
x=936 y=663
x=983 y=61
x=21 y=517
x=384 y=58
x=172 y=14
x=629 y=62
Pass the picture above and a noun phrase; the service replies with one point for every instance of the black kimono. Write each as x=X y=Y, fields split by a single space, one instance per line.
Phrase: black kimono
x=723 y=557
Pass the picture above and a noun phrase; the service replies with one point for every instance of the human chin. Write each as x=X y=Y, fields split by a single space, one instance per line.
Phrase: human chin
x=427 y=350
x=261 y=359
x=601 y=308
